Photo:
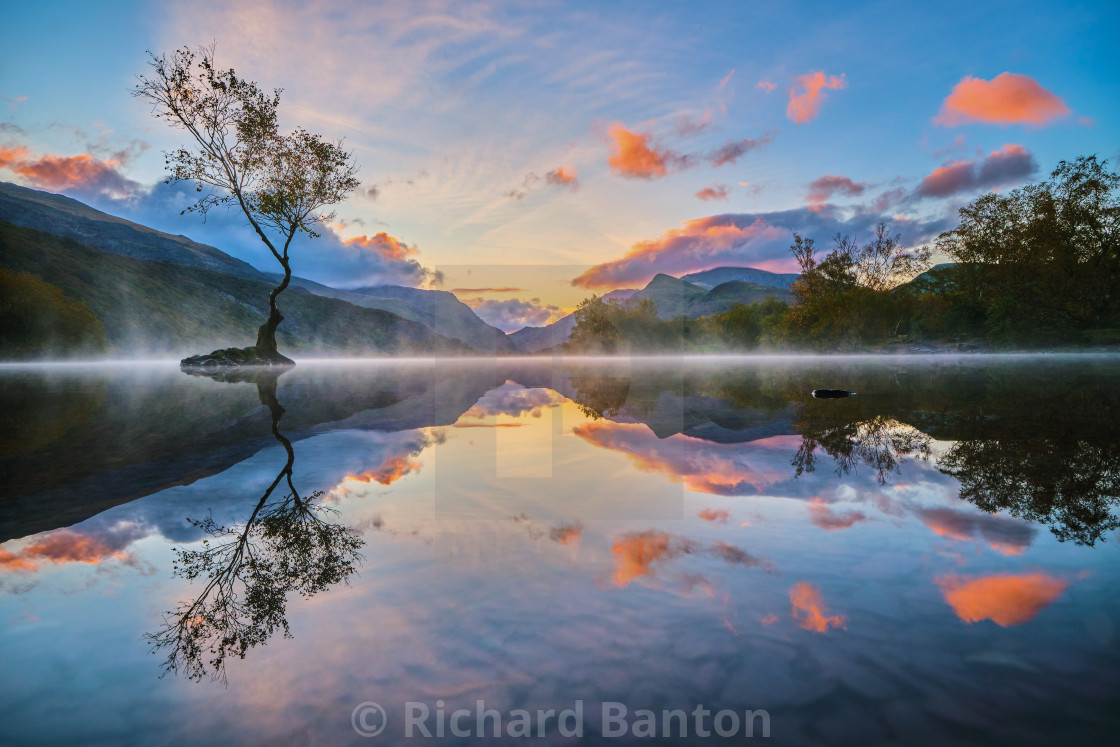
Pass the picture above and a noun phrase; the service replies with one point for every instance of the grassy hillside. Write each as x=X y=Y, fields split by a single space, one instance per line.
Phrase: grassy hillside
x=153 y=307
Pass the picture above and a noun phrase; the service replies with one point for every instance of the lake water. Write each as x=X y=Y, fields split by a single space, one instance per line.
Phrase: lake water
x=934 y=560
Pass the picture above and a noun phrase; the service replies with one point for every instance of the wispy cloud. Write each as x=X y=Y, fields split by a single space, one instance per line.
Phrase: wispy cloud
x=805 y=106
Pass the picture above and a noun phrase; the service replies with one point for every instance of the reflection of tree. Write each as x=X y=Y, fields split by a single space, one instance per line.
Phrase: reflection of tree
x=879 y=442
x=599 y=396
x=1071 y=485
x=285 y=545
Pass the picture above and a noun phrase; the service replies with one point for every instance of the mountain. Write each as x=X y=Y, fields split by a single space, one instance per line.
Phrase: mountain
x=673 y=297
x=717 y=276
x=157 y=307
x=437 y=310
x=63 y=216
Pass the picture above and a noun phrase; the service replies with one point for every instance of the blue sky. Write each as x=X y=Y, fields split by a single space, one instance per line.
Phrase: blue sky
x=458 y=112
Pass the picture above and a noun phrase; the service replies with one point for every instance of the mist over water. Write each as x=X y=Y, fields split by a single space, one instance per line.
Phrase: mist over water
x=933 y=559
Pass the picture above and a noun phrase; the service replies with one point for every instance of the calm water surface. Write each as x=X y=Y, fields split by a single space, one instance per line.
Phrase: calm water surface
x=933 y=560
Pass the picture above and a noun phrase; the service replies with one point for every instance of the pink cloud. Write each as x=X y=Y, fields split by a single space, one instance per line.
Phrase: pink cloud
x=804 y=107
x=820 y=190
x=1008 y=98
x=767 y=86
x=714 y=192
x=81 y=173
x=1009 y=164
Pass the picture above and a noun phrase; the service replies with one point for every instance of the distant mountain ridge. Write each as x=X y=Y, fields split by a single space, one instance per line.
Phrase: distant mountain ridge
x=439 y=311
x=64 y=216
x=673 y=297
x=718 y=275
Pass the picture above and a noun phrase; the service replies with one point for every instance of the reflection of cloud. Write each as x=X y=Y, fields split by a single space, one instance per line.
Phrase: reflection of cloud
x=822 y=515
x=398 y=460
x=1002 y=534
x=808 y=609
x=91 y=544
x=514 y=400
x=638 y=554
x=703 y=466
x=714 y=514
x=567 y=534
x=804 y=107
x=1005 y=599
x=1008 y=98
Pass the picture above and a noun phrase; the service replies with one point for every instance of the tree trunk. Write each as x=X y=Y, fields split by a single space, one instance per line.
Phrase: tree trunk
x=266 y=335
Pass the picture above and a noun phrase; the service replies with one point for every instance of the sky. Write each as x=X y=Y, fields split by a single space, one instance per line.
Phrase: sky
x=598 y=143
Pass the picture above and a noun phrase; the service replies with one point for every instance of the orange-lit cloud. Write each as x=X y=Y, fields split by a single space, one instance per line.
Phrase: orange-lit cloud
x=768 y=619
x=81 y=173
x=384 y=245
x=823 y=188
x=767 y=86
x=91 y=545
x=808 y=609
x=700 y=244
x=634 y=156
x=1008 y=98
x=703 y=466
x=714 y=514
x=1009 y=164
x=822 y=515
x=1005 y=599
x=506 y=289
x=714 y=192
x=804 y=107
x=563 y=177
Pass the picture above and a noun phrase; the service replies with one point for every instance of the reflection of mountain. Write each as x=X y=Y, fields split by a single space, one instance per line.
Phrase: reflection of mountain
x=146 y=431
x=1036 y=441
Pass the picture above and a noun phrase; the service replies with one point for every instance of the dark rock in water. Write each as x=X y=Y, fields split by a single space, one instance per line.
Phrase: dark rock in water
x=831 y=393
x=236 y=358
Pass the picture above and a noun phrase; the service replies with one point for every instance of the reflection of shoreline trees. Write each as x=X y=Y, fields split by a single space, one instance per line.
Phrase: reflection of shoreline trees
x=286 y=545
x=881 y=443
x=1071 y=486
x=1037 y=443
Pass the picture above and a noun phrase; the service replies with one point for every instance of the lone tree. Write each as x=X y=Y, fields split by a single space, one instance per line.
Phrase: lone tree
x=239 y=157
